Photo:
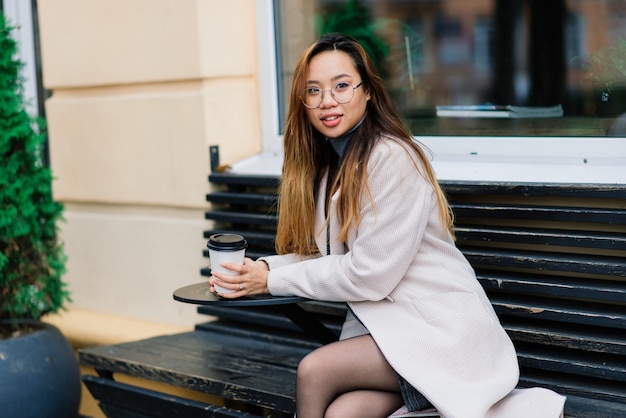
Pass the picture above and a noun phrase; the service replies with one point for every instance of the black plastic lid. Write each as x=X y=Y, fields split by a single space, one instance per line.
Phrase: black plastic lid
x=226 y=242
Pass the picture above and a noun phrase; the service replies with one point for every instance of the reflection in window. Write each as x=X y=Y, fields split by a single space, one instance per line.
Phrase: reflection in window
x=570 y=53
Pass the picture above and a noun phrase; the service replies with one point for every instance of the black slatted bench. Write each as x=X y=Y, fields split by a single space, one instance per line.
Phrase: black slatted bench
x=551 y=257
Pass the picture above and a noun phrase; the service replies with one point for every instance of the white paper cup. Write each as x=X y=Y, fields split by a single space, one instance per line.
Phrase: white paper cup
x=226 y=248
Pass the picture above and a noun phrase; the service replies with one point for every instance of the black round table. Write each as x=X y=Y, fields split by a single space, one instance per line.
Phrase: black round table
x=200 y=294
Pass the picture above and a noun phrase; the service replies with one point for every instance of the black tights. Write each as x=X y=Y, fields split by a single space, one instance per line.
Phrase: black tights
x=349 y=378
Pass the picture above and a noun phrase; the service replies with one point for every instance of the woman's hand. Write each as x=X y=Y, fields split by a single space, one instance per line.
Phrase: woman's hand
x=249 y=279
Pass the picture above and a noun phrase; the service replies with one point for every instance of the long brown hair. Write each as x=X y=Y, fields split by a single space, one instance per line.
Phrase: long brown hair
x=307 y=157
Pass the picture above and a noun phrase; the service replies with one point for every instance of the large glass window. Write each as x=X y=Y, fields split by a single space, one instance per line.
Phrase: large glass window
x=563 y=55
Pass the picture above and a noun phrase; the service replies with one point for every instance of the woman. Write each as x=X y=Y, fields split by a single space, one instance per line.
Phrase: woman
x=363 y=220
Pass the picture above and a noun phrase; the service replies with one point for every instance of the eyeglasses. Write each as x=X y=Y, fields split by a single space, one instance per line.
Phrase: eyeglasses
x=342 y=93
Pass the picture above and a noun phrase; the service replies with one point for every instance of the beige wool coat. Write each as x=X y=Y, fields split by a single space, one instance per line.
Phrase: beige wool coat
x=403 y=277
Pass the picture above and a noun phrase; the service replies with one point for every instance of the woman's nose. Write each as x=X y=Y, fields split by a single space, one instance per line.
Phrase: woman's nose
x=327 y=99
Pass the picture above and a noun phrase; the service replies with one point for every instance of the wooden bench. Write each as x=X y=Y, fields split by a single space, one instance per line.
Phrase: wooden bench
x=552 y=259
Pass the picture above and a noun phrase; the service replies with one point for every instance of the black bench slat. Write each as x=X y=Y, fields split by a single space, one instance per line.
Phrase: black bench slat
x=546 y=262
x=581 y=289
x=543 y=213
x=545 y=237
x=606 y=191
x=293 y=338
x=268 y=317
x=580 y=407
x=598 y=390
x=120 y=412
x=572 y=385
x=254 y=237
x=565 y=361
x=256 y=316
x=254 y=199
x=572 y=313
x=579 y=337
x=244 y=179
x=242 y=217
x=120 y=400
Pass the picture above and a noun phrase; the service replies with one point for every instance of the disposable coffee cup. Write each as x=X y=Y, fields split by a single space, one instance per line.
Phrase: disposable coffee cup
x=226 y=248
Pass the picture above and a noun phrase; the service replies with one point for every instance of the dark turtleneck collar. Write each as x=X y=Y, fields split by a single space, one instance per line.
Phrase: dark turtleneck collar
x=339 y=143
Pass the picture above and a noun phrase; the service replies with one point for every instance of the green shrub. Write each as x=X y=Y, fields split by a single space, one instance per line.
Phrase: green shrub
x=31 y=257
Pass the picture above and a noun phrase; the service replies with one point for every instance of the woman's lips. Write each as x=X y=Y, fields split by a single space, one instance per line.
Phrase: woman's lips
x=331 y=120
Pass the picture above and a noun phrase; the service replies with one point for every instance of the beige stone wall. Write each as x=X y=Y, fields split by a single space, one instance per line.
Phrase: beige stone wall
x=140 y=90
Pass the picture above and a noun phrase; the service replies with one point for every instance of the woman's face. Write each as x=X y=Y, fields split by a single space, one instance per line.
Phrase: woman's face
x=328 y=70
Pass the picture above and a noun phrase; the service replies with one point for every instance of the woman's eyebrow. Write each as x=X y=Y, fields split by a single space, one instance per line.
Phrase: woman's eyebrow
x=335 y=78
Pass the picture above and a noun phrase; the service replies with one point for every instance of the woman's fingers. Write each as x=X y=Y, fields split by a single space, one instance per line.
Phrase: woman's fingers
x=250 y=279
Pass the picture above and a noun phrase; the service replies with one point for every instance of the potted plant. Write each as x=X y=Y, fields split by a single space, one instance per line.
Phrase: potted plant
x=606 y=70
x=39 y=375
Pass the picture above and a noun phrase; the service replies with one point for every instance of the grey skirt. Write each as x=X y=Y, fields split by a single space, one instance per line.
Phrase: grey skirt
x=413 y=399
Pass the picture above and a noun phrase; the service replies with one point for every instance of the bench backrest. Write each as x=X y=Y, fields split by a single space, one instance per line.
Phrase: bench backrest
x=552 y=259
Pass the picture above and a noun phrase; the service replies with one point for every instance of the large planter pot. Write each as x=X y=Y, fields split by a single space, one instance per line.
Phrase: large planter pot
x=39 y=374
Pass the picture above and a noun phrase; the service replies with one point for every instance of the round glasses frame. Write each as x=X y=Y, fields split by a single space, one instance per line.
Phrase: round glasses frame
x=347 y=89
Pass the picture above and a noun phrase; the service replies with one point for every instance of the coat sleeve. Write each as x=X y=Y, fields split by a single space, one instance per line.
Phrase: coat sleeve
x=275 y=261
x=394 y=217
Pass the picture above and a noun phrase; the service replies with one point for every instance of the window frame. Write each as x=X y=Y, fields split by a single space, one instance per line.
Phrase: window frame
x=597 y=160
x=20 y=14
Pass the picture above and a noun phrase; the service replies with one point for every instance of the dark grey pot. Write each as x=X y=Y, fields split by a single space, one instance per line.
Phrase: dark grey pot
x=39 y=375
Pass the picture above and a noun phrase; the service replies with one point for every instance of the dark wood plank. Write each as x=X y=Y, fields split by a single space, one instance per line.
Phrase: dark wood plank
x=598 y=391
x=111 y=411
x=589 y=365
x=574 y=288
x=253 y=199
x=543 y=213
x=511 y=260
x=611 y=191
x=588 y=338
x=254 y=237
x=549 y=310
x=482 y=235
x=295 y=338
x=269 y=319
x=472 y=188
x=244 y=179
x=584 y=407
x=120 y=400
x=241 y=217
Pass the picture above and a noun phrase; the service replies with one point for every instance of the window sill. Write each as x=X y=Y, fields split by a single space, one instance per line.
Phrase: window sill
x=503 y=159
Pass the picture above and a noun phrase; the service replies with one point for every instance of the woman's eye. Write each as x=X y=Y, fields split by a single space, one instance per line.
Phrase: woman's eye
x=312 y=91
x=342 y=86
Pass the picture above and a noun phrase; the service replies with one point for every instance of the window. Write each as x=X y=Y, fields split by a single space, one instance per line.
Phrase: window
x=20 y=15
x=528 y=53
